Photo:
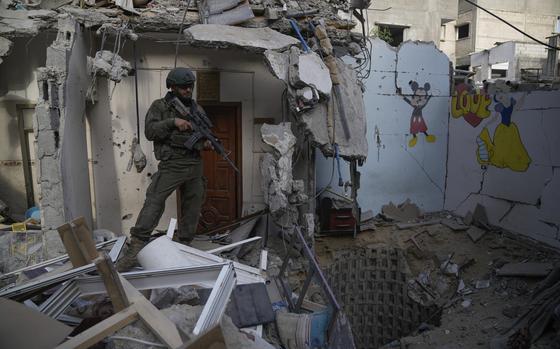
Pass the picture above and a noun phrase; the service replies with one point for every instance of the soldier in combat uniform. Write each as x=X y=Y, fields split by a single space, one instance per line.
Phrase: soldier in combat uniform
x=178 y=167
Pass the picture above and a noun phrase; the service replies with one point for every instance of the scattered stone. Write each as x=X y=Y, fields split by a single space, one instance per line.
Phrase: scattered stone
x=530 y=269
x=166 y=297
x=454 y=225
x=404 y=212
x=475 y=233
x=466 y=303
x=479 y=217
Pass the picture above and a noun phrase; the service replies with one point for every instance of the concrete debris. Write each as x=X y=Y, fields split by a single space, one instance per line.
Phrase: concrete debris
x=530 y=269
x=454 y=224
x=25 y=23
x=308 y=70
x=5 y=47
x=404 y=212
x=255 y=40
x=278 y=64
x=237 y=15
x=281 y=191
x=166 y=297
x=475 y=233
x=110 y=65
x=182 y=315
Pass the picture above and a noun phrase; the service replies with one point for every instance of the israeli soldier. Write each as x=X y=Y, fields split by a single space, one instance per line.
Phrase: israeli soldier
x=178 y=167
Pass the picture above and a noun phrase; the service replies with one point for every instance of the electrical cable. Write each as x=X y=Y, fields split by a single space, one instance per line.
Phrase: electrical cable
x=124 y=338
x=136 y=93
x=514 y=27
x=180 y=32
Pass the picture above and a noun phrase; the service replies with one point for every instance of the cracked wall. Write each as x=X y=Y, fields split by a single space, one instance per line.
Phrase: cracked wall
x=518 y=182
x=397 y=167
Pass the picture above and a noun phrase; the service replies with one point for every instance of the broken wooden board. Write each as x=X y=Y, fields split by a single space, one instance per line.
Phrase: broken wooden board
x=402 y=226
x=23 y=327
x=530 y=269
x=78 y=242
x=475 y=233
x=213 y=338
x=454 y=225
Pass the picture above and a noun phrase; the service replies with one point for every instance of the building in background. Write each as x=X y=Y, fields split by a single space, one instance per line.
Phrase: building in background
x=493 y=49
x=401 y=20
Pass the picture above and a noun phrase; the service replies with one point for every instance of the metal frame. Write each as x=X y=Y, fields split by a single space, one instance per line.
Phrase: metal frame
x=314 y=271
x=29 y=289
x=203 y=275
x=62 y=258
x=217 y=301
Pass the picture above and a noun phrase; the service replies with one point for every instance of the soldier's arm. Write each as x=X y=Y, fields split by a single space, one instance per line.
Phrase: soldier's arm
x=156 y=128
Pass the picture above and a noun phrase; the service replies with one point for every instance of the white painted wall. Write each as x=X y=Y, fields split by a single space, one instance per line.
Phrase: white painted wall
x=395 y=171
x=18 y=85
x=120 y=194
x=525 y=202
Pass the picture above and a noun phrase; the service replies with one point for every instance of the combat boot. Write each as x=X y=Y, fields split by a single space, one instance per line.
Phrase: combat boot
x=129 y=261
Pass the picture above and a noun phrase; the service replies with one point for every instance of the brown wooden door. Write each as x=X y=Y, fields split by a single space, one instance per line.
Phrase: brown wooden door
x=223 y=193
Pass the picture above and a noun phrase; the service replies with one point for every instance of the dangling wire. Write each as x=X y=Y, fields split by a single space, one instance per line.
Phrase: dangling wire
x=136 y=91
x=180 y=33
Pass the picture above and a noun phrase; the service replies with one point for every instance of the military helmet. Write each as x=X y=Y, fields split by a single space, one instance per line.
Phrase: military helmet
x=180 y=77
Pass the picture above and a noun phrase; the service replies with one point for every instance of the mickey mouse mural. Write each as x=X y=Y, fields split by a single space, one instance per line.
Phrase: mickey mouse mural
x=418 y=101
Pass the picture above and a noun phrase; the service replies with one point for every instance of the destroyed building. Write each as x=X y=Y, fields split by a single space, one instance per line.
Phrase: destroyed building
x=379 y=202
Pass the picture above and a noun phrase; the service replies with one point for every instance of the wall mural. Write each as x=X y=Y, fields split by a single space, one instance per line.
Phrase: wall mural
x=471 y=104
x=505 y=149
x=418 y=101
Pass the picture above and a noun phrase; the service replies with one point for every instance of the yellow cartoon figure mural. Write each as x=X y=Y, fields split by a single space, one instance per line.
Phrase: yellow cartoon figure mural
x=505 y=149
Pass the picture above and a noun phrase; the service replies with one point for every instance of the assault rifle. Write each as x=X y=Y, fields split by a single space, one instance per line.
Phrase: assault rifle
x=201 y=130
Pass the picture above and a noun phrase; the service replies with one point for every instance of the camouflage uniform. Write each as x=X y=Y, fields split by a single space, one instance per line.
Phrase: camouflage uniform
x=178 y=168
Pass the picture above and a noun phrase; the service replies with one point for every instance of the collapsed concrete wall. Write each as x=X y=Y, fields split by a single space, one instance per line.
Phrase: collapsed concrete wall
x=504 y=153
x=60 y=133
x=406 y=102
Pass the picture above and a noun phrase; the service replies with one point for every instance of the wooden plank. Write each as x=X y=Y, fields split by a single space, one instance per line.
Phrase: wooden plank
x=103 y=329
x=213 y=338
x=85 y=237
x=160 y=325
x=75 y=254
x=112 y=282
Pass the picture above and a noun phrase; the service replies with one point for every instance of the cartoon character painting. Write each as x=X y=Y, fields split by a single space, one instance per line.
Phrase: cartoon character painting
x=418 y=101
x=505 y=149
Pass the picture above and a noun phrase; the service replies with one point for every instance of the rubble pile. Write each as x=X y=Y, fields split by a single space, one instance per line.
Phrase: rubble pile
x=484 y=286
x=191 y=298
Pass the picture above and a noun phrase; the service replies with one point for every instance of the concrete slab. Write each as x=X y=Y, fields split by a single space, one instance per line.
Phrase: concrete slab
x=224 y=36
x=475 y=233
x=529 y=269
x=277 y=63
x=311 y=71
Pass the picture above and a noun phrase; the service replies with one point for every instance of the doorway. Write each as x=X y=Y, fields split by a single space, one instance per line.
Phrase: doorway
x=224 y=185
